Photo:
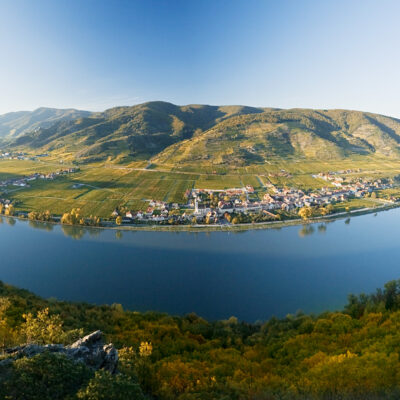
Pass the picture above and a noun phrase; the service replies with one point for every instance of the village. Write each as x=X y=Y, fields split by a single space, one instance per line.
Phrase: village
x=231 y=206
x=25 y=180
x=240 y=205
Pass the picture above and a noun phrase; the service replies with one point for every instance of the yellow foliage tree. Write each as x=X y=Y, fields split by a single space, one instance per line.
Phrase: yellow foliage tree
x=305 y=212
x=9 y=210
x=145 y=349
x=45 y=328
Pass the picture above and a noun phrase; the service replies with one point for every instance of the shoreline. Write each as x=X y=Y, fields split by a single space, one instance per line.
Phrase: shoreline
x=227 y=227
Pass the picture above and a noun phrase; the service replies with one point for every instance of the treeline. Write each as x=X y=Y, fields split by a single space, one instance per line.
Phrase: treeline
x=75 y=217
x=353 y=354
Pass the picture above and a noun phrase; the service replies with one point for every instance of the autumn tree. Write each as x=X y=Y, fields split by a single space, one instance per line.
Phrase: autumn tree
x=305 y=212
x=45 y=328
x=9 y=210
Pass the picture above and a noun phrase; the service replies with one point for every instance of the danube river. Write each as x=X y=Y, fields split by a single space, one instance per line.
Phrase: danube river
x=252 y=275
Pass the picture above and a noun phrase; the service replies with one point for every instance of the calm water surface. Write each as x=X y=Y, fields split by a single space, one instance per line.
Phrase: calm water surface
x=251 y=275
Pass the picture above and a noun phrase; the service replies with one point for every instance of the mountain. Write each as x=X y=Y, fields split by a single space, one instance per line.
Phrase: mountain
x=14 y=124
x=296 y=133
x=221 y=135
x=140 y=131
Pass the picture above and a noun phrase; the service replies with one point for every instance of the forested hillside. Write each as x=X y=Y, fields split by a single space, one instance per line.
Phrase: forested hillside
x=164 y=133
x=353 y=354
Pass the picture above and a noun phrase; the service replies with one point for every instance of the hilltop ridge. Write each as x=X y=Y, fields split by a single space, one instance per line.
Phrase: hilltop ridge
x=220 y=135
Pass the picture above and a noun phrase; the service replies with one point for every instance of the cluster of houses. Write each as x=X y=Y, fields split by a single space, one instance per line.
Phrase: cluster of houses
x=14 y=156
x=5 y=202
x=25 y=181
x=157 y=211
x=19 y=155
x=214 y=205
x=334 y=177
x=289 y=199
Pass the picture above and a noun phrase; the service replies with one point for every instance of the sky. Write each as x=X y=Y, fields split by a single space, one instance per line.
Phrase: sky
x=97 y=54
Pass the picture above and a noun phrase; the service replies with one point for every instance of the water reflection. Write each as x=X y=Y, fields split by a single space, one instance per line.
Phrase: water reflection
x=347 y=221
x=322 y=228
x=11 y=221
x=118 y=235
x=93 y=232
x=41 y=225
x=73 y=231
x=306 y=230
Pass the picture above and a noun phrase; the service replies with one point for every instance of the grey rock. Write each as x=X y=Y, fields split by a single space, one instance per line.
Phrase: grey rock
x=89 y=350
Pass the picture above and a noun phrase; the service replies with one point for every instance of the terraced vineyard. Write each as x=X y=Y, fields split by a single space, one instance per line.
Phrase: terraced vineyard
x=98 y=189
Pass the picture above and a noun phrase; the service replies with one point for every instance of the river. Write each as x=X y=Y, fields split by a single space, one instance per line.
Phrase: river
x=252 y=275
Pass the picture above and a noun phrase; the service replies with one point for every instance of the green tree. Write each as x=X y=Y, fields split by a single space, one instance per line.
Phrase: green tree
x=7 y=335
x=46 y=376
x=105 y=386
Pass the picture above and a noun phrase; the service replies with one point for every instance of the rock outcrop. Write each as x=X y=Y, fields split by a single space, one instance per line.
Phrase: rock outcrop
x=89 y=350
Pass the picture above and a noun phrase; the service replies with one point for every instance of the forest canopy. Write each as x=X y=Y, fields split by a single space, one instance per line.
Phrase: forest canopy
x=352 y=354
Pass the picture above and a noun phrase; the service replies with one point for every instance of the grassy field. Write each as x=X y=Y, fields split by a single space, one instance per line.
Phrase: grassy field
x=103 y=187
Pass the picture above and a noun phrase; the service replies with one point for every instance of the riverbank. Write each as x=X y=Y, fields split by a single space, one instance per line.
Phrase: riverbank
x=228 y=227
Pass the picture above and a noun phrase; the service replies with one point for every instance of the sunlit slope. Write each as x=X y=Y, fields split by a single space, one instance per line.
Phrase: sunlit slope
x=128 y=132
x=215 y=135
x=289 y=134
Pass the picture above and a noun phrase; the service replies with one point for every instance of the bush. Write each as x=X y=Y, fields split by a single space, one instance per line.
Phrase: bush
x=45 y=376
x=105 y=386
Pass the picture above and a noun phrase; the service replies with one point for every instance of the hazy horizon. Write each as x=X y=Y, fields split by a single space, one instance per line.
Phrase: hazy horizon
x=191 y=104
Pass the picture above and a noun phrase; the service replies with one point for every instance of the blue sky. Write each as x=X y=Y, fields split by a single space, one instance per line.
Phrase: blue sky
x=98 y=54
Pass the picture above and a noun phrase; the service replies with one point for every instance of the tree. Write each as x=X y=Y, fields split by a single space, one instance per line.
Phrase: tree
x=6 y=332
x=73 y=218
x=9 y=210
x=323 y=211
x=45 y=328
x=46 y=376
x=118 y=220
x=105 y=386
x=305 y=212
x=145 y=349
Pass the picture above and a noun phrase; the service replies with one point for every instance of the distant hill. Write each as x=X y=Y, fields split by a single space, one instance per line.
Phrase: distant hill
x=231 y=135
x=18 y=123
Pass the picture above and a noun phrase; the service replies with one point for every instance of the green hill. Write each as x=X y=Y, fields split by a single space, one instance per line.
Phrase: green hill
x=218 y=135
